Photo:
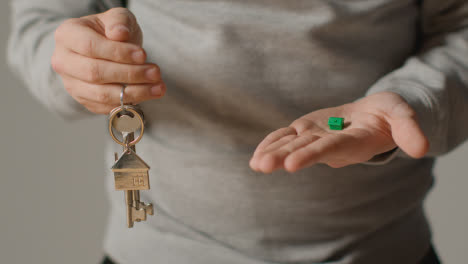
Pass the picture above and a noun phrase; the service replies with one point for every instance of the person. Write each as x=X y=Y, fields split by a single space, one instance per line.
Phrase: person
x=243 y=166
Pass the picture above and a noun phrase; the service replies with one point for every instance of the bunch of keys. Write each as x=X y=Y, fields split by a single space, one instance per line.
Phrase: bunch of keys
x=130 y=171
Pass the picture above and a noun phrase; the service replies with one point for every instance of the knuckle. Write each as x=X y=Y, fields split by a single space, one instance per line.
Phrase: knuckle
x=115 y=52
x=56 y=63
x=87 y=47
x=94 y=73
x=103 y=97
x=133 y=73
x=61 y=31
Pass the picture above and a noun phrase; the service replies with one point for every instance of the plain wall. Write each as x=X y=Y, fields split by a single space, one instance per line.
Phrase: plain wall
x=52 y=201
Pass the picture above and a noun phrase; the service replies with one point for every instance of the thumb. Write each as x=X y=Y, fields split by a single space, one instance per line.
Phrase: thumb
x=120 y=25
x=406 y=131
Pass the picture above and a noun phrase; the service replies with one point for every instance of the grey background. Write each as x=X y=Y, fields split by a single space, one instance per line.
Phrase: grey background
x=52 y=202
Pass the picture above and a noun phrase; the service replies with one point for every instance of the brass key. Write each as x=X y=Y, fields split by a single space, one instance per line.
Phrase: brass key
x=131 y=176
x=130 y=171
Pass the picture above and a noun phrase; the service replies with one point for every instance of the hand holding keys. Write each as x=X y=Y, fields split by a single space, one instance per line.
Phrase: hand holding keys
x=130 y=171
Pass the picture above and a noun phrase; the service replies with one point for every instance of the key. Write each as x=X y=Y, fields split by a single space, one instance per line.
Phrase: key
x=130 y=171
x=126 y=121
x=131 y=176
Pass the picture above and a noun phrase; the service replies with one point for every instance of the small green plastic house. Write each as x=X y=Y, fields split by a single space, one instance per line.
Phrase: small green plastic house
x=336 y=123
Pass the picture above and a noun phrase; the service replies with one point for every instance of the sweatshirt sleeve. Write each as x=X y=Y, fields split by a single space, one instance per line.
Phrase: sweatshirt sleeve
x=435 y=81
x=31 y=45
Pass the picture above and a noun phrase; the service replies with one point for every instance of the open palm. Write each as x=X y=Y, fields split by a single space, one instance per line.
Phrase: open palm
x=373 y=125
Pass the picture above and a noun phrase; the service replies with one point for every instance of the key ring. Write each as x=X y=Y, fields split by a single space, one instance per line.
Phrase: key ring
x=122 y=95
x=125 y=108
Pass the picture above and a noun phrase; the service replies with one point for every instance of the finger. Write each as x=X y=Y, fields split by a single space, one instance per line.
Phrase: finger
x=274 y=136
x=279 y=143
x=272 y=160
x=79 y=37
x=92 y=70
x=95 y=107
x=109 y=94
x=270 y=139
x=409 y=137
x=258 y=160
x=351 y=147
x=120 y=24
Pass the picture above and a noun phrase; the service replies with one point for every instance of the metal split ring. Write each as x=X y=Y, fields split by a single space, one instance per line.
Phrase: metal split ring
x=114 y=114
x=122 y=95
x=125 y=108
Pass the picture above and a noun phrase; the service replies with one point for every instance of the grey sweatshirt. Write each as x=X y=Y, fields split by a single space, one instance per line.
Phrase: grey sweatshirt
x=237 y=70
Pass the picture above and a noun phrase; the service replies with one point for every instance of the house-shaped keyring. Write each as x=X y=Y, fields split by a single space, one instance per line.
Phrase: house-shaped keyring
x=131 y=172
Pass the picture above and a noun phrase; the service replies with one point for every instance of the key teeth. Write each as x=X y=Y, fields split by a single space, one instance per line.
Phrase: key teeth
x=139 y=215
x=149 y=209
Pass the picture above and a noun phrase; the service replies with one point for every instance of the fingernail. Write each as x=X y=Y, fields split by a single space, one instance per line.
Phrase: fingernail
x=151 y=74
x=156 y=90
x=138 y=56
x=121 y=28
